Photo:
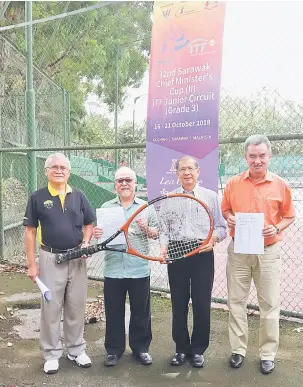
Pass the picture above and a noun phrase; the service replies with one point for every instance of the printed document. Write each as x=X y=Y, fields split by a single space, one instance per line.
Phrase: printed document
x=111 y=220
x=43 y=289
x=248 y=233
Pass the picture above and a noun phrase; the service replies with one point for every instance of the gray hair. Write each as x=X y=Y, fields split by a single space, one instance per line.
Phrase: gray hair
x=55 y=156
x=131 y=172
x=257 y=139
x=186 y=157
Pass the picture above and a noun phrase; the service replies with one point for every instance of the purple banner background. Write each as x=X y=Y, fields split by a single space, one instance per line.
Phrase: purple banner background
x=184 y=92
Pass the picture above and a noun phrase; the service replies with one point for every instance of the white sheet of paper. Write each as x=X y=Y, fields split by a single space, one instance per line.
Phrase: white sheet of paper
x=248 y=233
x=110 y=220
x=43 y=289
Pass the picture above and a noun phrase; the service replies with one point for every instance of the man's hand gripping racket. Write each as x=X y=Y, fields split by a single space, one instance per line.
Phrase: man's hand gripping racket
x=164 y=229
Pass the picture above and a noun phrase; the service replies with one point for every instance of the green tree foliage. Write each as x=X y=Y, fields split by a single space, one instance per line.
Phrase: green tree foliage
x=94 y=129
x=129 y=134
x=80 y=52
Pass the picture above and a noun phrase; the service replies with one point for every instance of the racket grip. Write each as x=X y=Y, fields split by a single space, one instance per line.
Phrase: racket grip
x=76 y=253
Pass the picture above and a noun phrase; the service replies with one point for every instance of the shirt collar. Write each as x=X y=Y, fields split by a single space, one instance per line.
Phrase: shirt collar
x=53 y=192
x=268 y=176
x=194 y=190
x=117 y=200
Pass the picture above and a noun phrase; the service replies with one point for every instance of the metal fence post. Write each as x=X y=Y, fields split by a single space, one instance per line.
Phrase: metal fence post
x=116 y=104
x=64 y=117
x=30 y=101
x=1 y=211
x=67 y=117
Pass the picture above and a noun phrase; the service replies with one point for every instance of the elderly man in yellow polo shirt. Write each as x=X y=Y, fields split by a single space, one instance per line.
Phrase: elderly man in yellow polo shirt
x=63 y=217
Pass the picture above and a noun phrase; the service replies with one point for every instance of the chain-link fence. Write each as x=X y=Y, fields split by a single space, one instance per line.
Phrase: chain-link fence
x=51 y=102
x=93 y=174
x=98 y=53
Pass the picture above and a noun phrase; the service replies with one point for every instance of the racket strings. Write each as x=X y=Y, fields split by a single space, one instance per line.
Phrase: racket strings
x=180 y=224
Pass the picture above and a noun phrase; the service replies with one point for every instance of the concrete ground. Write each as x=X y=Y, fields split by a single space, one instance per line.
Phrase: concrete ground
x=21 y=364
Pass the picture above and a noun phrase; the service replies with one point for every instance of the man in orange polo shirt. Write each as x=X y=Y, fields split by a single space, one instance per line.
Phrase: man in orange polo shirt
x=258 y=191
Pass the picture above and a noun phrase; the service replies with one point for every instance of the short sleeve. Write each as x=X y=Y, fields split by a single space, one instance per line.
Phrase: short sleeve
x=287 y=207
x=225 y=204
x=88 y=212
x=31 y=215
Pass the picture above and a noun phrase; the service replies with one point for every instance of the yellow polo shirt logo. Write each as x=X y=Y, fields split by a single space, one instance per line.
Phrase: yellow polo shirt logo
x=48 y=203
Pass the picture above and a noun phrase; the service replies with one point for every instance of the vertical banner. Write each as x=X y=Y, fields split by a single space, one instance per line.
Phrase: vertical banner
x=184 y=91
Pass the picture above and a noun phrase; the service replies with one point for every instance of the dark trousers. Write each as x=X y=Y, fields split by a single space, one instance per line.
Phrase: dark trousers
x=191 y=277
x=140 y=335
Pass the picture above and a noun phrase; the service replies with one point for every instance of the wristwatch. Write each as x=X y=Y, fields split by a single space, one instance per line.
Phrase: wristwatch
x=278 y=229
x=215 y=240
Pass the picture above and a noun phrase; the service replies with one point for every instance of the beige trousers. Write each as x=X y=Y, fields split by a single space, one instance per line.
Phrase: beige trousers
x=68 y=285
x=265 y=270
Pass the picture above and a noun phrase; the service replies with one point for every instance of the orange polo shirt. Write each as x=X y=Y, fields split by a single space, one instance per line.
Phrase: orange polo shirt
x=272 y=196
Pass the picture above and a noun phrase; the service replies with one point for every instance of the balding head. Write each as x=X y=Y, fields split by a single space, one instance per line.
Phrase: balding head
x=51 y=159
x=186 y=158
x=125 y=172
x=125 y=179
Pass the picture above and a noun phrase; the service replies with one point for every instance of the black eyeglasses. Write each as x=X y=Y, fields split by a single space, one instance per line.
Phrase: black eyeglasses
x=127 y=180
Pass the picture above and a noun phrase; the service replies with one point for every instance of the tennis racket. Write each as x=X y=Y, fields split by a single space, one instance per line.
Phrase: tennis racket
x=166 y=228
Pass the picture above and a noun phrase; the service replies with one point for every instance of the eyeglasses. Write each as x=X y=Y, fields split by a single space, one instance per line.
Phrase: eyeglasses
x=127 y=180
x=189 y=169
x=56 y=168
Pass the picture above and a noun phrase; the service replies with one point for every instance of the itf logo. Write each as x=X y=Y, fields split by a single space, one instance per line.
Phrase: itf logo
x=201 y=46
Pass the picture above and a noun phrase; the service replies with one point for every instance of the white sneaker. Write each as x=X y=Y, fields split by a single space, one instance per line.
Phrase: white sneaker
x=82 y=360
x=51 y=366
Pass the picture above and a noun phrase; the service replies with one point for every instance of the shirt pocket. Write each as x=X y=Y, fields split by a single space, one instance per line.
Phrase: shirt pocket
x=272 y=204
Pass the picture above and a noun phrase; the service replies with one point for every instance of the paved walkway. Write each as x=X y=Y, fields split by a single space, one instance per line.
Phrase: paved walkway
x=21 y=364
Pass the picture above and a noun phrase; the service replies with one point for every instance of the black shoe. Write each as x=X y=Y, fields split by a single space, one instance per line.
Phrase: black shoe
x=236 y=360
x=197 y=360
x=111 y=360
x=144 y=358
x=178 y=359
x=267 y=366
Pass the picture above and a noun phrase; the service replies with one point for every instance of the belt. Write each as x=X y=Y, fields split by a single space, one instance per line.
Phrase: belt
x=56 y=251
x=264 y=245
